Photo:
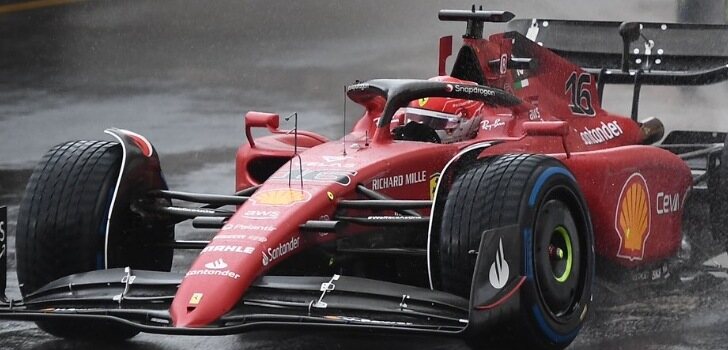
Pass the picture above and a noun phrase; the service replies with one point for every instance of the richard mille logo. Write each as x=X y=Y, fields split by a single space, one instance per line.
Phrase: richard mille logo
x=499 y=269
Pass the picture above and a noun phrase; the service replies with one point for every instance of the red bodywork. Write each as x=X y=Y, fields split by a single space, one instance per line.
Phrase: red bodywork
x=635 y=192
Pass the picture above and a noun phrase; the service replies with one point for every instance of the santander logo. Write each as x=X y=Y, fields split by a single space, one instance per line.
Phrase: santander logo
x=218 y=264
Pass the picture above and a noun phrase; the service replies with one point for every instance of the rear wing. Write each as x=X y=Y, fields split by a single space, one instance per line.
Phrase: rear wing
x=636 y=53
x=659 y=47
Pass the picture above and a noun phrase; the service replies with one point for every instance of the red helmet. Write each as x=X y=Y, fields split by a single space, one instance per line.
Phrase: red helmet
x=453 y=119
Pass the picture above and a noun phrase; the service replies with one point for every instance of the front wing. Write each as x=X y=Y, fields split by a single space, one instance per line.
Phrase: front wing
x=141 y=299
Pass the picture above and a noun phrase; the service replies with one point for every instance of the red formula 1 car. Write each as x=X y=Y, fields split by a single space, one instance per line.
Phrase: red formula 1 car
x=477 y=204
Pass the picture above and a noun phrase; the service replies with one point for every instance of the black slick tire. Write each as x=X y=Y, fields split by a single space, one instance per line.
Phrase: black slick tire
x=62 y=226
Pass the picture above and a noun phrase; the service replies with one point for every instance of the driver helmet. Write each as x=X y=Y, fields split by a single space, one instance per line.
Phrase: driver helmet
x=452 y=119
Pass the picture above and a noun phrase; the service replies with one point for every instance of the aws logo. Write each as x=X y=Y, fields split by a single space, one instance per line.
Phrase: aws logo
x=633 y=218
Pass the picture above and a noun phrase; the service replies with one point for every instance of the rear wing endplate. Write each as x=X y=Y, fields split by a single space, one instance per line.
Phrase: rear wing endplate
x=3 y=253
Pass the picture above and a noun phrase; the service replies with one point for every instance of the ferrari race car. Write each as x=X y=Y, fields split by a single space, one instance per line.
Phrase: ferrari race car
x=480 y=203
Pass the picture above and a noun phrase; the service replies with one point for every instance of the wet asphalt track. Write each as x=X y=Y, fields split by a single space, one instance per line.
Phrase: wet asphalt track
x=184 y=72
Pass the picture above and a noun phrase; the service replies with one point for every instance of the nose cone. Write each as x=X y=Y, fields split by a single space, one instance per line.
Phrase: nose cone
x=213 y=285
x=261 y=234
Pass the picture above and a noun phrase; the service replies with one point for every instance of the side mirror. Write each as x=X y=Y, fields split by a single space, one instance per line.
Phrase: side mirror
x=260 y=120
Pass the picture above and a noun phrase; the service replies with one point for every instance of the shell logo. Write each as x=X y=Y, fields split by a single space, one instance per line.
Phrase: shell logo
x=281 y=197
x=633 y=218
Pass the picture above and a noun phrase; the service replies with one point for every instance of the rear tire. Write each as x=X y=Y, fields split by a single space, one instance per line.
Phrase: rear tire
x=62 y=226
x=541 y=197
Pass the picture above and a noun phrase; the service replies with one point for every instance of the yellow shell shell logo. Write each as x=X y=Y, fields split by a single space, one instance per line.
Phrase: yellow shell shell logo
x=633 y=218
x=423 y=101
x=281 y=197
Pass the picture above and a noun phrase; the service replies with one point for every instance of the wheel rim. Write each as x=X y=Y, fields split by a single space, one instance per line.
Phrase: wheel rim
x=557 y=256
x=561 y=254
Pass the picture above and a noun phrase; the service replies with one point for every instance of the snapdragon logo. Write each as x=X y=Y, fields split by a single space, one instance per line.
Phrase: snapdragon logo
x=474 y=90
x=362 y=86
x=282 y=249
x=604 y=133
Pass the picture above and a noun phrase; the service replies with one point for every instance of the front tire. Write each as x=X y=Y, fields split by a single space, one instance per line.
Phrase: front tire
x=540 y=196
x=62 y=226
